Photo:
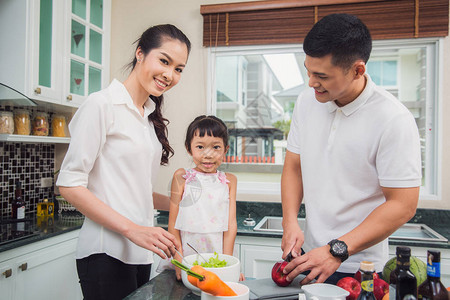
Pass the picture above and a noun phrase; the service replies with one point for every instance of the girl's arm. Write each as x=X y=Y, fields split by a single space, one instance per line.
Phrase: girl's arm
x=176 y=192
x=230 y=235
x=160 y=201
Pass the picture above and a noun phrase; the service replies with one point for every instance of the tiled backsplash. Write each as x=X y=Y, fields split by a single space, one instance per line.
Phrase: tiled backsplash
x=27 y=163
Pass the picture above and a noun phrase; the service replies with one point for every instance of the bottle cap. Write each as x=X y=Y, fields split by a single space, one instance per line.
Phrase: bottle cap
x=367 y=266
x=18 y=185
x=45 y=200
x=403 y=251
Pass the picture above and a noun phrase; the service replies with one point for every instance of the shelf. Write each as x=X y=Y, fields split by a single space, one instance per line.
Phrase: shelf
x=33 y=139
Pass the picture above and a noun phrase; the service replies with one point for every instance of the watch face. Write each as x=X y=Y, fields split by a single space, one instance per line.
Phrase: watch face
x=339 y=248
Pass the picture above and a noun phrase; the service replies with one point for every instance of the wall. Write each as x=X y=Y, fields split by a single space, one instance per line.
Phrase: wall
x=26 y=163
x=189 y=99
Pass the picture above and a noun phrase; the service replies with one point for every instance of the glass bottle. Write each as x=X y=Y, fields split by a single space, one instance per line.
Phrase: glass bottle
x=404 y=280
x=432 y=288
x=367 y=269
x=6 y=122
x=59 y=126
x=22 y=124
x=40 y=124
x=18 y=204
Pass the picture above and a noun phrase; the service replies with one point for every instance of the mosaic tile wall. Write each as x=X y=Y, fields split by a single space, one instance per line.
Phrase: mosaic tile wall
x=27 y=163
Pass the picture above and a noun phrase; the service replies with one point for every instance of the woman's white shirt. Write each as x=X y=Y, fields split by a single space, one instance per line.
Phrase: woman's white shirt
x=115 y=153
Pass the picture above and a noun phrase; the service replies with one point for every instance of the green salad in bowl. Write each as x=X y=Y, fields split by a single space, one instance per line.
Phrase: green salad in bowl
x=213 y=262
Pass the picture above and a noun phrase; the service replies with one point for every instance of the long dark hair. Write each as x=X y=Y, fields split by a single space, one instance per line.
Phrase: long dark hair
x=206 y=125
x=153 y=38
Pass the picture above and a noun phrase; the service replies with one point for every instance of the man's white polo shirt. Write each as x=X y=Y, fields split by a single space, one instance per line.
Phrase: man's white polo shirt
x=347 y=154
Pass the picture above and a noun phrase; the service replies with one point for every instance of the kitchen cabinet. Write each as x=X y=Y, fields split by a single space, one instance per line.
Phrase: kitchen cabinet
x=258 y=255
x=421 y=253
x=42 y=270
x=55 y=51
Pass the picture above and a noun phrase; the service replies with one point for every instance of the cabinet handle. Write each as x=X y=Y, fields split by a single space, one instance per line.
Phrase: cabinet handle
x=69 y=97
x=23 y=266
x=37 y=90
x=7 y=273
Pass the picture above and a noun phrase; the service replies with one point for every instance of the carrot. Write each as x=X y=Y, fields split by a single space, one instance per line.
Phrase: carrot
x=194 y=280
x=206 y=280
x=213 y=284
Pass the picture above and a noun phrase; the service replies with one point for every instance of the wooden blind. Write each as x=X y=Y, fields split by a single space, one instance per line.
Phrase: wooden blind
x=288 y=21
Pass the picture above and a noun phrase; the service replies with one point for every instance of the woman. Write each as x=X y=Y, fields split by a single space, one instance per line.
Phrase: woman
x=119 y=139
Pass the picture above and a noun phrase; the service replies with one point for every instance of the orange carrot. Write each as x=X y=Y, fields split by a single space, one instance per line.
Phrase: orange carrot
x=212 y=283
x=193 y=280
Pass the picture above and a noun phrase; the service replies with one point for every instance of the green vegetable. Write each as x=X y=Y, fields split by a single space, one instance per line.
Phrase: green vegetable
x=213 y=262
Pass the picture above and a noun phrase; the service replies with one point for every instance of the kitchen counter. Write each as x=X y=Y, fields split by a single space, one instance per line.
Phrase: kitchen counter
x=32 y=230
x=438 y=220
x=162 y=287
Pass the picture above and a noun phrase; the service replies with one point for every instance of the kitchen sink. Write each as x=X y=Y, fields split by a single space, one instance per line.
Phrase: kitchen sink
x=273 y=224
x=409 y=231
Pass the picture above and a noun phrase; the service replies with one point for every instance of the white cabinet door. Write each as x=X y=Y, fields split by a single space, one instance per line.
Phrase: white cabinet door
x=42 y=270
x=55 y=51
x=7 y=283
x=49 y=273
x=259 y=260
x=258 y=255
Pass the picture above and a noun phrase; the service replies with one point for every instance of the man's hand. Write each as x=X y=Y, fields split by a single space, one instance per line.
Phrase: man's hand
x=292 y=240
x=319 y=261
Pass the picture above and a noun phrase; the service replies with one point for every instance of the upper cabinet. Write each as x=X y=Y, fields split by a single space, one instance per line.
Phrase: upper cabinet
x=55 y=51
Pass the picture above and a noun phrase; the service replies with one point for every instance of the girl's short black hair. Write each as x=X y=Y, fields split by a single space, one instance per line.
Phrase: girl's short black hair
x=206 y=125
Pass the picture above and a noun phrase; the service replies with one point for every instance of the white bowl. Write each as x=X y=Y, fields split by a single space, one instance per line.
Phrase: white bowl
x=242 y=291
x=324 y=291
x=229 y=273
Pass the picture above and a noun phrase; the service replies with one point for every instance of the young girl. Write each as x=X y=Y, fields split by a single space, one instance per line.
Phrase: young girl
x=203 y=199
x=118 y=142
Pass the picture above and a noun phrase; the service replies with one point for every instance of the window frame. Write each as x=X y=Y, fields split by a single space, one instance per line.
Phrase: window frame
x=432 y=188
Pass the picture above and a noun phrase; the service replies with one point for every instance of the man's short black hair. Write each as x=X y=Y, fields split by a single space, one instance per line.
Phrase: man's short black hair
x=344 y=36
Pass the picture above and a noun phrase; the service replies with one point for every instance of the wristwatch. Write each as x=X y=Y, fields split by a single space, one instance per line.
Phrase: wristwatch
x=338 y=249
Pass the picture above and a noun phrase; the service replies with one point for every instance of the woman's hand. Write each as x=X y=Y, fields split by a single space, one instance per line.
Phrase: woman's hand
x=155 y=239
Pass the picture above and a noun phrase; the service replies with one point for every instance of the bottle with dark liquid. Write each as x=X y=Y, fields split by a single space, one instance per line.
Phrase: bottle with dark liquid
x=405 y=281
x=432 y=288
x=18 y=204
x=367 y=269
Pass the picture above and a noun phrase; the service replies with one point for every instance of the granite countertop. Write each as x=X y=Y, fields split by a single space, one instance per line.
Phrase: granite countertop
x=162 y=287
x=438 y=220
x=34 y=229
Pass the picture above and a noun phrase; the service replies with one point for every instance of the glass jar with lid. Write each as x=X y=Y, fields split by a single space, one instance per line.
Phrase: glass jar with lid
x=40 y=124
x=22 y=123
x=6 y=122
x=59 y=126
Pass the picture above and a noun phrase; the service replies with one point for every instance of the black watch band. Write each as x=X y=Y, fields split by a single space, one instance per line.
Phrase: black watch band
x=339 y=249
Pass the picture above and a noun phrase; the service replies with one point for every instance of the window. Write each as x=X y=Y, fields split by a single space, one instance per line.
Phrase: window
x=254 y=89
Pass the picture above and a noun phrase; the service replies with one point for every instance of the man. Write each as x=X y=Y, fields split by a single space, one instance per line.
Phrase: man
x=353 y=156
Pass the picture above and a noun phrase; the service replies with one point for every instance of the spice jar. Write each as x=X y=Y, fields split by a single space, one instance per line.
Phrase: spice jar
x=6 y=122
x=22 y=122
x=40 y=124
x=59 y=126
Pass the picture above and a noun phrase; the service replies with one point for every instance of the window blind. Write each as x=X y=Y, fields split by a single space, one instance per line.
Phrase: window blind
x=288 y=21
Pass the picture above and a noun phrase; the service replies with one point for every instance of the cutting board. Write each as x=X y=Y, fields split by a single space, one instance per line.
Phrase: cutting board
x=261 y=289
